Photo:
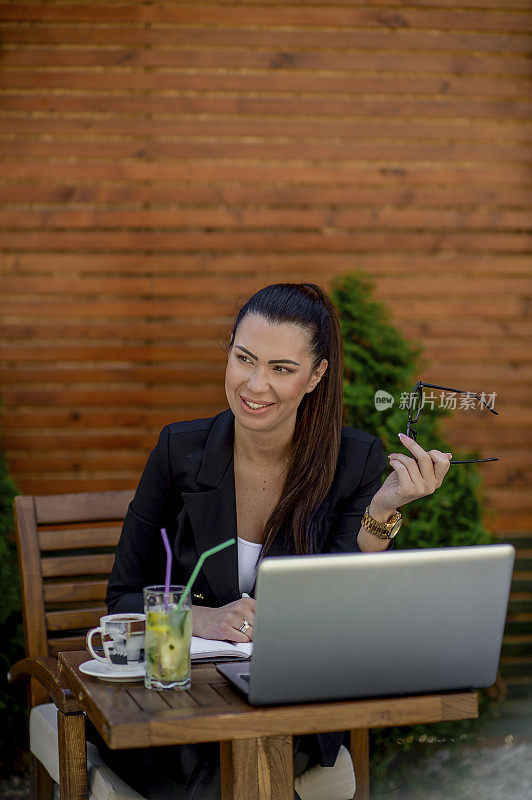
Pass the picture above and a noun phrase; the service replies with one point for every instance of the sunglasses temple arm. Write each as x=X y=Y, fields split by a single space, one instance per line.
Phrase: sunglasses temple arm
x=473 y=461
x=461 y=391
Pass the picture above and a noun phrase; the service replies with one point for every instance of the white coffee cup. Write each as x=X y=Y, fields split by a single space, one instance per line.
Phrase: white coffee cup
x=122 y=640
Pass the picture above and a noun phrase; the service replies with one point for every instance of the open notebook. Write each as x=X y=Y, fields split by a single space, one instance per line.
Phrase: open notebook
x=216 y=650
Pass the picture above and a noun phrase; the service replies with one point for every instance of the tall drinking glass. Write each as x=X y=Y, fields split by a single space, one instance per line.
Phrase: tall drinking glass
x=167 y=638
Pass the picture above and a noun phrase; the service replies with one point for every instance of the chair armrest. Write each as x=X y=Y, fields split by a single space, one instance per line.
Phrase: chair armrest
x=46 y=671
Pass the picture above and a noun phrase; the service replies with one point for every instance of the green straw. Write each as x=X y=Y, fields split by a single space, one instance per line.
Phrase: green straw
x=199 y=565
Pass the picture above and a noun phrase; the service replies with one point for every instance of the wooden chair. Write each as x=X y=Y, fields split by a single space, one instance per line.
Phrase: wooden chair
x=66 y=549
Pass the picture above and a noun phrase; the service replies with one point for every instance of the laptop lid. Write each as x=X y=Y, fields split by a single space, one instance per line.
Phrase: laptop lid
x=362 y=625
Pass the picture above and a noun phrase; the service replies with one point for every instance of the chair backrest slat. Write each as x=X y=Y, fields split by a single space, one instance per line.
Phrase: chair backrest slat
x=85 y=592
x=74 y=620
x=74 y=538
x=77 y=565
x=82 y=506
x=66 y=549
x=57 y=646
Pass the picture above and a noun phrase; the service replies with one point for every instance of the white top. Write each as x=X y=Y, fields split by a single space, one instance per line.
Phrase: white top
x=248 y=555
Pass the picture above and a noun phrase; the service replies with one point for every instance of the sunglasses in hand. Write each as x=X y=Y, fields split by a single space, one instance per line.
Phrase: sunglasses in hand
x=413 y=414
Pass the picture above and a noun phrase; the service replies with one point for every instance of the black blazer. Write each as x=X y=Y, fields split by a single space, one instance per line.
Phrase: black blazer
x=188 y=488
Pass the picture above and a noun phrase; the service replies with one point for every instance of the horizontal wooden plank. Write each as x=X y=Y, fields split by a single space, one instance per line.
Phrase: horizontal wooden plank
x=101 y=428
x=467 y=352
x=353 y=241
x=506 y=499
x=53 y=332
x=53 y=485
x=181 y=396
x=76 y=565
x=62 y=644
x=79 y=592
x=404 y=106
x=263 y=128
x=201 y=35
x=267 y=81
x=487 y=439
x=110 y=374
x=123 y=420
x=51 y=463
x=215 y=263
x=220 y=217
x=205 y=57
x=45 y=196
x=459 y=4
x=339 y=151
x=123 y=353
x=346 y=174
x=74 y=539
x=121 y=309
x=74 y=619
x=508 y=522
x=79 y=508
x=162 y=288
x=281 y=16
x=487 y=331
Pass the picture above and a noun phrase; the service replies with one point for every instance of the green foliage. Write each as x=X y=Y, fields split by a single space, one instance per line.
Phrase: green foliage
x=378 y=357
x=12 y=701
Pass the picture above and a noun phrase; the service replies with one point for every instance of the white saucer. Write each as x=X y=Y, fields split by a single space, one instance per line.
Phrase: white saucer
x=98 y=670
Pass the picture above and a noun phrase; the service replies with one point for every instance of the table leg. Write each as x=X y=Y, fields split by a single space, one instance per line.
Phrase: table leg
x=72 y=756
x=360 y=756
x=258 y=769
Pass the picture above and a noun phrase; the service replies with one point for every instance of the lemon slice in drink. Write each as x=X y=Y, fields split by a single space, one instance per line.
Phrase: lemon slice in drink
x=158 y=622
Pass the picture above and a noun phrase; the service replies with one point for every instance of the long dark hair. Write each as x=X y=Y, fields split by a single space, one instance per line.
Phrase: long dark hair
x=298 y=517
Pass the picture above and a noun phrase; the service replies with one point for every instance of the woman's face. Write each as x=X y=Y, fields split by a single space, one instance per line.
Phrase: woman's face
x=269 y=365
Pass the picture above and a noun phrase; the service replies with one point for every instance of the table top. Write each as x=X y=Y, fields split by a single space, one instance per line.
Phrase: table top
x=129 y=715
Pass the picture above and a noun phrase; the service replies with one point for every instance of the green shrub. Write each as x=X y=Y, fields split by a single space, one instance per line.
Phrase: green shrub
x=378 y=357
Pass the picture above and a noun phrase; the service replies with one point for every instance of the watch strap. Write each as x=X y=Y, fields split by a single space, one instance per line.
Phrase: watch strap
x=380 y=529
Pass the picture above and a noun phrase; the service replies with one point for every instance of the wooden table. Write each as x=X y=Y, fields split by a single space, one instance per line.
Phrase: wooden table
x=255 y=742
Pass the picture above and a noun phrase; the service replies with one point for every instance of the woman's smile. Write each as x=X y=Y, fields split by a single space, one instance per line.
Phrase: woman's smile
x=254 y=407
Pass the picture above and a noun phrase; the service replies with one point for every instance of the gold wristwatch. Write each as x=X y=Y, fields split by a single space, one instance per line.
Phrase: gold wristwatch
x=384 y=530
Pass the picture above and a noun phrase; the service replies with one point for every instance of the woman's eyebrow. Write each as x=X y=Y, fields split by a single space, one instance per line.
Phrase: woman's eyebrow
x=272 y=361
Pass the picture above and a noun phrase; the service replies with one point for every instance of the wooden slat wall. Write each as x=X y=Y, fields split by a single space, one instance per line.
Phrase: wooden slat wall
x=160 y=161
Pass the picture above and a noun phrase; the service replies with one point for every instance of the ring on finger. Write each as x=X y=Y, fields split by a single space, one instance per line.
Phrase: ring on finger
x=244 y=628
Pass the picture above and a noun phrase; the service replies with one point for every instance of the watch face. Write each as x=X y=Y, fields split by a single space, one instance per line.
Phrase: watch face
x=395 y=530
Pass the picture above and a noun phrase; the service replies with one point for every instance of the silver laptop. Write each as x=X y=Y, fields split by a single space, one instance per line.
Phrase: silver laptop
x=361 y=625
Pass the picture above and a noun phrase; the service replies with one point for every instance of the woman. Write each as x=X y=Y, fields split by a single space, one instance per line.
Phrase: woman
x=278 y=469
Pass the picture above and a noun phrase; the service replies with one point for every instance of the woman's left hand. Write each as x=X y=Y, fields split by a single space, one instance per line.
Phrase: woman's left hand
x=411 y=479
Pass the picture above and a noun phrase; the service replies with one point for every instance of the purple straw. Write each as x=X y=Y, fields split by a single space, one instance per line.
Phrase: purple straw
x=168 y=567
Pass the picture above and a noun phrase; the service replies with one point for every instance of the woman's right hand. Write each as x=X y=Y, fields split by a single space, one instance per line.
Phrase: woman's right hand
x=224 y=622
